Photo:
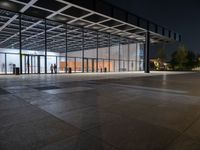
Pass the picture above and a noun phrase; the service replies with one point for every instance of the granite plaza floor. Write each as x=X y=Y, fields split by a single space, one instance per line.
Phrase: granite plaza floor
x=126 y=111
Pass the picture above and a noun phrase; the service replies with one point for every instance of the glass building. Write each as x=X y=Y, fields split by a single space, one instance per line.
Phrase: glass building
x=83 y=35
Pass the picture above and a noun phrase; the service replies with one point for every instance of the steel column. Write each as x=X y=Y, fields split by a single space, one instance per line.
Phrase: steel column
x=128 y=55
x=28 y=64
x=20 y=42
x=83 y=42
x=146 y=52
x=5 y=68
x=97 y=53
x=136 y=59
x=109 y=54
x=45 y=46
x=74 y=64
x=119 y=53
x=66 y=54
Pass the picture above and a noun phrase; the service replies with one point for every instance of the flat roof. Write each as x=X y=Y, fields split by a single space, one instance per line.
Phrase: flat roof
x=90 y=15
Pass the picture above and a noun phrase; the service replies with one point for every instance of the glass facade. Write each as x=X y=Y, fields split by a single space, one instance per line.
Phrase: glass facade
x=34 y=45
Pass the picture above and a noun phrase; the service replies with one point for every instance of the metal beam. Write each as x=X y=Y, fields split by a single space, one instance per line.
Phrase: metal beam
x=27 y=6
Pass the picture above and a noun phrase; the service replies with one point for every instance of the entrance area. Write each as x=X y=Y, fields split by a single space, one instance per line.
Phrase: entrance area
x=33 y=64
x=45 y=43
x=89 y=64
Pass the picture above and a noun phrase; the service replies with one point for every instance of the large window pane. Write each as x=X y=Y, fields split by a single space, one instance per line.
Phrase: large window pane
x=56 y=46
x=114 y=53
x=33 y=44
x=75 y=47
x=2 y=63
x=12 y=61
x=103 y=52
x=9 y=42
x=90 y=50
x=124 y=52
x=133 y=62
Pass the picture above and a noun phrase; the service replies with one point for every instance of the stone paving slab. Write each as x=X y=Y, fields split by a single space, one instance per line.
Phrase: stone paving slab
x=67 y=90
x=124 y=111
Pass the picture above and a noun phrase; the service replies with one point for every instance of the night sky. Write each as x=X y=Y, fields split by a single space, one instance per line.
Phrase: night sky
x=179 y=15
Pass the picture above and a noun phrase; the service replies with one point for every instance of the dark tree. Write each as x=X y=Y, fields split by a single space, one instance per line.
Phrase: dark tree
x=179 y=58
x=192 y=60
x=182 y=59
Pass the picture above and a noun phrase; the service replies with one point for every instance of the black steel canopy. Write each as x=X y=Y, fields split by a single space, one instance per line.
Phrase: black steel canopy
x=76 y=18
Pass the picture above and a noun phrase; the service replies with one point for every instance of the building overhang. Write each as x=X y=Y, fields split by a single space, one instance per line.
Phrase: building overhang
x=94 y=15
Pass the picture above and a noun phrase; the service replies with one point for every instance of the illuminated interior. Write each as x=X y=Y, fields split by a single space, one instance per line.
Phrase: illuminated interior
x=34 y=36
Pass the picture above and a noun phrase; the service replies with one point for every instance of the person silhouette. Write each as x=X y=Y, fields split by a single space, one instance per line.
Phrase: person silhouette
x=51 y=68
x=55 y=68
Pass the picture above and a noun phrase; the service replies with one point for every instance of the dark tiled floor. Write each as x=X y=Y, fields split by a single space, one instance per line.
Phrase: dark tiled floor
x=134 y=134
x=2 y=91
x=82 y=141
x=47 y=88
x=71 y=112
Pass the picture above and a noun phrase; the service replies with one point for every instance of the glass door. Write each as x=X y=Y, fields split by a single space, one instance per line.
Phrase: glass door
x=86 y=68
x=33 y=64
x=41 y=64
x=25 y=64
x=89 y=64
x=2 y=63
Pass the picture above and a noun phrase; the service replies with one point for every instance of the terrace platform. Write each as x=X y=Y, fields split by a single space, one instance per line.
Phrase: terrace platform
x=105 y=111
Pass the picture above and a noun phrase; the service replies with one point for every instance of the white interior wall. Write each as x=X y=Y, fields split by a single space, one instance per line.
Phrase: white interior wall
x=136 y=56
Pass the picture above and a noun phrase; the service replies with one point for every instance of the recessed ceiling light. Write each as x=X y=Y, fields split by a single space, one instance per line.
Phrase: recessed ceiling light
x=120 y=33
x=62 y=18
x=95 y=27
x=131 y=36
x=5 y=4
x=82 y=23
x=139 y=38
x=109 y=30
